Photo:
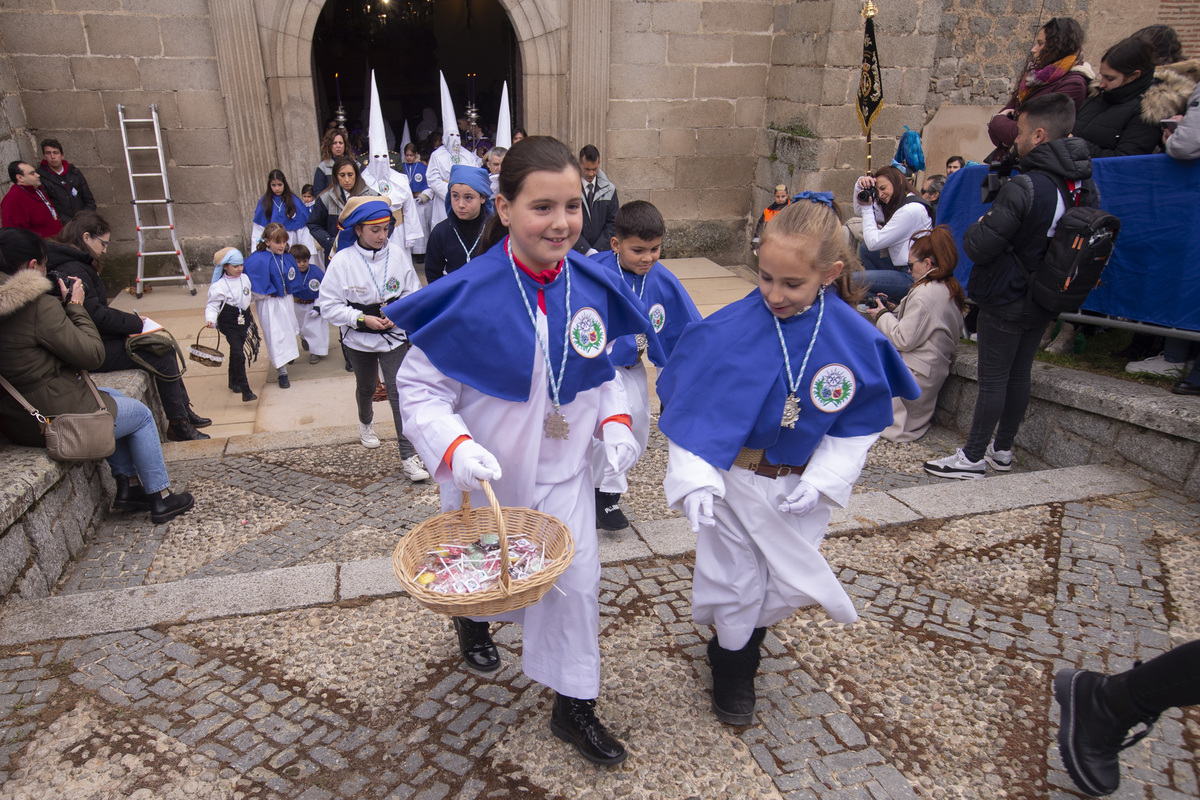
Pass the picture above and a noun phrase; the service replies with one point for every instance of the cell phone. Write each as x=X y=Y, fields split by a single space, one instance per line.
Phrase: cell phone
x=1169 y=124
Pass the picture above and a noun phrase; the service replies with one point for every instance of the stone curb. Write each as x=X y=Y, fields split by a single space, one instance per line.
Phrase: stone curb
x=110 y=611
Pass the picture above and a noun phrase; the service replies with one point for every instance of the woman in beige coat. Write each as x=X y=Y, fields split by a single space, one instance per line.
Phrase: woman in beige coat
x=925 y=327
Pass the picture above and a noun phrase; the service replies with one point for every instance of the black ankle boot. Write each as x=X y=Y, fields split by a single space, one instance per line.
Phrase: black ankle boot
x=165 y=509
x=1097 y=713
x=248 y=395
x=609 y=515
x=130 y=497
x=182 y=430
x=475 y=643
x=574 y=721
x=197 y=420
x=733 y=673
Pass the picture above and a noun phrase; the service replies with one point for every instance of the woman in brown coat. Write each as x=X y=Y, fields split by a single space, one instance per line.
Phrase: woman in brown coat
x=46 y=337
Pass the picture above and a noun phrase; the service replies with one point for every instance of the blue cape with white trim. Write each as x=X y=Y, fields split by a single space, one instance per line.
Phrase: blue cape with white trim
x=268 y=273
x=675 y=311
x=279 y=214
x=301 y=284
x=725 y=386
x=475 y=329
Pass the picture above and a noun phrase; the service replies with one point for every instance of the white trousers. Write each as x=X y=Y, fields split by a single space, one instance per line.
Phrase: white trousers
x=278 y=322
x=756 y=566
x=313 y=328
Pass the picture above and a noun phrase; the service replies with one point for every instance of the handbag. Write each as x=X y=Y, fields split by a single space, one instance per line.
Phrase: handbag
x=75 y=437
x=159 y=343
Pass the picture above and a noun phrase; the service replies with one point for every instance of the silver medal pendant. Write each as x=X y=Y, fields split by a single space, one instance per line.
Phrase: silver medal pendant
x=791 y=411
x=241 y=319
x=556 y=426
x=641 y=343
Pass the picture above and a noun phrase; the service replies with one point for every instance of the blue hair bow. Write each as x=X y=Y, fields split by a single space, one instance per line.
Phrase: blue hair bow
x=825 y=198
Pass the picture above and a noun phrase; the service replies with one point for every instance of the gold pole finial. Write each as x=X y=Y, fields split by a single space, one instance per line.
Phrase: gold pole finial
x=870 y=9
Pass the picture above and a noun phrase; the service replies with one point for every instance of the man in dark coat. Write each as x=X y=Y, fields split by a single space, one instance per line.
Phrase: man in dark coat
x=68 y=189
x=600 y=205
x=1008 y=244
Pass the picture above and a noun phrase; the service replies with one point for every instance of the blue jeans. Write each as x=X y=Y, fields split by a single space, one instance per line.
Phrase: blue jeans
x=881 y=276
x=138 y=452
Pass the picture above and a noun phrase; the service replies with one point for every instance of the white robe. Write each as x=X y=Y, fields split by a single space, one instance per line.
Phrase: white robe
x=278 y=323
x=636 y=385
x=409 y=233
x=561 y=631
x=312 y=327
x=300 y=236
x=437 y=176
x=756 y=566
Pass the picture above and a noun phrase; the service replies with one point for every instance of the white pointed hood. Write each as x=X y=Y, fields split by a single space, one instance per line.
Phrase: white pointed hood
x=504 y=124
x=379 y=174
x=450 y=138
x=405 y=138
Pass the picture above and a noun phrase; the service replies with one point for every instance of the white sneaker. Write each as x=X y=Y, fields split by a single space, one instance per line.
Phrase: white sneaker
x=1064 y=343
x=366 y=435
x=414 y=468
x=1157 y=365
x=1001 y=460
x=957 y=466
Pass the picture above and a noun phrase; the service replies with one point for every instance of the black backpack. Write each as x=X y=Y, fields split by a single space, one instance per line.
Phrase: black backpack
x=1079 y=250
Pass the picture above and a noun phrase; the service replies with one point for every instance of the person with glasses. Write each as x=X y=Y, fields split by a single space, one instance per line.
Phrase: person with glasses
x=78 y=252
x=931 y=192
x=27 y=205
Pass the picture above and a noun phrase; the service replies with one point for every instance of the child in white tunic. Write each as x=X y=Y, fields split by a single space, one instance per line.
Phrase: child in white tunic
x=508 y=381
x=228 y=310
x=269 y=268
x=770 y=407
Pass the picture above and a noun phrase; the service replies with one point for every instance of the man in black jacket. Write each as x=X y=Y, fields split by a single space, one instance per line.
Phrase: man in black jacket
x=600 y=205
x=1007 y=245
x=68 y=189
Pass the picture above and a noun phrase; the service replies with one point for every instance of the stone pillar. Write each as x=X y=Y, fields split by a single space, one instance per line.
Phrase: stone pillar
x=240 y=65
x=588 y=74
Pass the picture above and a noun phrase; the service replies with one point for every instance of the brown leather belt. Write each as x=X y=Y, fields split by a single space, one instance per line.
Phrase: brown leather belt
x=756 y=462
x=298 y=301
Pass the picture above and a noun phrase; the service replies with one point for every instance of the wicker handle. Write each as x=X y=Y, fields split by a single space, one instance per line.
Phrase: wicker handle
x=202 y=330
x=491 y=496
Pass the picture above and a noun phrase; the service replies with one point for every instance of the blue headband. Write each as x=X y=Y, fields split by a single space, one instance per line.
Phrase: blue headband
x=477 y=178
x=825 y=198
x=372 y=212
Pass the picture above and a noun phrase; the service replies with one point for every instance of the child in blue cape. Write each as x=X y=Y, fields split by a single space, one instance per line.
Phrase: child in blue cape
x=270 y=267
x=305 y=287
x=770 y=406
x=636 y=246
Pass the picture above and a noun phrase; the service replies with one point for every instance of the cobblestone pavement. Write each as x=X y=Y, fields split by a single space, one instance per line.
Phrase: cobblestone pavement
x=941 y=690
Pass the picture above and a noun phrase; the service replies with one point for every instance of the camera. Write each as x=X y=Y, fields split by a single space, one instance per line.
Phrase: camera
x=54 y=277
x=999 y=173
x=867 y=195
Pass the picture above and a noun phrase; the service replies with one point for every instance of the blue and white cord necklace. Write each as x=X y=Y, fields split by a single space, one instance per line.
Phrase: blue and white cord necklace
x=791 y=406
x=555 y=425
x=641 y=337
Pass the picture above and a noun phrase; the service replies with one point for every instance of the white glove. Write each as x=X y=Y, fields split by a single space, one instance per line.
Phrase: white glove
x=471 y=464
x=422 y=198
x=620 y=449
x=802 y=500
x=698 y=508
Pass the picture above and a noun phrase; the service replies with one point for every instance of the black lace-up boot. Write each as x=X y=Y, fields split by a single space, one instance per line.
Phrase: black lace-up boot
x=574 y=721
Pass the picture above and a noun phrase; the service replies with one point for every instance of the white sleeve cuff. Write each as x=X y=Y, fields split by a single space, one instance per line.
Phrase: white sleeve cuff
x=835 y=465
x=687 y=472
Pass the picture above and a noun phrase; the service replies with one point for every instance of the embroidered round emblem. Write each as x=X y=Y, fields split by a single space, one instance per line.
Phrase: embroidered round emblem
x=246 y=290
x=418 y=177
x=658 y=317
x=292 y=274
x=392 y=285
x=832 y=387
x=314 y=285
x=588 y=336
x=384 y=188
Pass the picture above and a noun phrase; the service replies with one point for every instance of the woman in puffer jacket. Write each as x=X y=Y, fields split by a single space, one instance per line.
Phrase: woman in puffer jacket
x=1110 y=120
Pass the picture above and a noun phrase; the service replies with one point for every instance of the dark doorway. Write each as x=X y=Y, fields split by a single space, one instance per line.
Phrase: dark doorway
x=406 y=42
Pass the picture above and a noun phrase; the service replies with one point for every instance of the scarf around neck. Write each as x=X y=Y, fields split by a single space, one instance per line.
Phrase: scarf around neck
x=1042 y=76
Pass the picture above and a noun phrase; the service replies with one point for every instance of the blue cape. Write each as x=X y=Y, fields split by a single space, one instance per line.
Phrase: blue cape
x=268 y=273
x=673 y=311
x=475 y=177
x=278 y=214
x=725 y=386
x=416 y=177
x=474 y=328
x=301 y=284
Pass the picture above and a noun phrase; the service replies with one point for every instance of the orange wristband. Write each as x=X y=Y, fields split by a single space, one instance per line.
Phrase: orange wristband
x=624 y=419
x=449 y=456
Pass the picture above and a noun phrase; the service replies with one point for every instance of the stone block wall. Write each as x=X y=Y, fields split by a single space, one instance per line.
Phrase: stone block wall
x=72 y=63
x=1077 y=418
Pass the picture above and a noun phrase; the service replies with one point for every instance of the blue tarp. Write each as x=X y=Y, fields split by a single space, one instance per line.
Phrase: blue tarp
x=1154 y=274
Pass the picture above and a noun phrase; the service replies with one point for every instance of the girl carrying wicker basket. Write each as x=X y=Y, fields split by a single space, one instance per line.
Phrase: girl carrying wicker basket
x=508 y=381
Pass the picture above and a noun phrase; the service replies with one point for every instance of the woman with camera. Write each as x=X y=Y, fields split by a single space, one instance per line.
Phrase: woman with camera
x=892 y=214
x=46 y=337
x=925 y=327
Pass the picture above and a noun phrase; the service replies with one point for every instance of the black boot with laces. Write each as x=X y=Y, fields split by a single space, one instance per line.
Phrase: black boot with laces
x=574 y=721
x=1097 y=713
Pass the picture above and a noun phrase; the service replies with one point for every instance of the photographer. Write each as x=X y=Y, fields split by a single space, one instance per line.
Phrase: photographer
x=360 y=280
x=887 y=199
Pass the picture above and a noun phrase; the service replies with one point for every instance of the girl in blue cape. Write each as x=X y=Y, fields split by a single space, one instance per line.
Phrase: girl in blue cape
x=278 y=204
x=771 y=405
x=508 y=381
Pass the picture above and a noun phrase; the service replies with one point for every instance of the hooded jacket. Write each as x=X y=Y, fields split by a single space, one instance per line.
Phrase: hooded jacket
x=1111 y=121
x=70 y=262
x=1176 y=90
x=43 y=345
x=1009 y=242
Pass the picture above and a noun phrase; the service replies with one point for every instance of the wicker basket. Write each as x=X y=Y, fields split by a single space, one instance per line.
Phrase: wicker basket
x=464 y=527
x=208 y=356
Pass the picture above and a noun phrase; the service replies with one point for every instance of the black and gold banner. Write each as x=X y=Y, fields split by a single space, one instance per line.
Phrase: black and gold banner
x=870 y=85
